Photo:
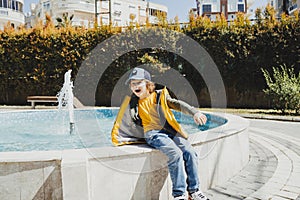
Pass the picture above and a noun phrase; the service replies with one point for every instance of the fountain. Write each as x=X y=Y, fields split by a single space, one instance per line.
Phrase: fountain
x=74 y=166
x=65 y=99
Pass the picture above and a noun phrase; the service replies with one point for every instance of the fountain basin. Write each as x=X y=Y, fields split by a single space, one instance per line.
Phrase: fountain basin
x=49 y=130
x=137 y=171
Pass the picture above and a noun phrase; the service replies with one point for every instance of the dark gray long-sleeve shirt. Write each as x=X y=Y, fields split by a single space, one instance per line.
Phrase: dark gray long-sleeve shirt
x=181 y=106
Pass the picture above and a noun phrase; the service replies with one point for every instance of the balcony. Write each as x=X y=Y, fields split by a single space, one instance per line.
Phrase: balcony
x=292 y=8
x=13 y=16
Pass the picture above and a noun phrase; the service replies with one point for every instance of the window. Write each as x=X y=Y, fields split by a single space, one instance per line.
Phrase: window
x=241 y=8
x=293 y=7
x=155 y=12
x=206 y=8
x=46 y=5
x=241 y=1
x=4 y=3
x=13 y=5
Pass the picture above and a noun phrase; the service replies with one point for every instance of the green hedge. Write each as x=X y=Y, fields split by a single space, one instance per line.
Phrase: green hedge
x=32 y=62
x=242 y=49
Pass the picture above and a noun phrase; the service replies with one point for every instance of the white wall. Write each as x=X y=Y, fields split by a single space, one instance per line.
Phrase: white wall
x=84 y=12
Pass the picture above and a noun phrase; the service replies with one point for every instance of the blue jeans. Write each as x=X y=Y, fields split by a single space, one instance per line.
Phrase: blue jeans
x=183 y=160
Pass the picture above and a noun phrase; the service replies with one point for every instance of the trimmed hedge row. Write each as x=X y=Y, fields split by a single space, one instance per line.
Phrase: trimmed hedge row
x=242 y=49
x=32 y=62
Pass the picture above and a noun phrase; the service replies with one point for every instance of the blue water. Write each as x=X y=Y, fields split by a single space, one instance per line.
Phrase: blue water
x=49 y=130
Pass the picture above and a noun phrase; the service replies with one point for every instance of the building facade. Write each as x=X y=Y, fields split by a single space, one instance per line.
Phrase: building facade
x=11 y=13
x=281 y=6
x=213 y=8
x=119 y=12
x=285 y=6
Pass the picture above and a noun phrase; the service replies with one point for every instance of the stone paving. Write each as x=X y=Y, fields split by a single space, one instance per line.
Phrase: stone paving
x=273 y=170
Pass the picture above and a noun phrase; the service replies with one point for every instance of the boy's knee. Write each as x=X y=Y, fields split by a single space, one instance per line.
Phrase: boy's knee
x=176 y=156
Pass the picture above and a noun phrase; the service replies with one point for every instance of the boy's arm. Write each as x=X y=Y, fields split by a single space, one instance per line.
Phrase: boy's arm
x=181 y=106
x=184 y=107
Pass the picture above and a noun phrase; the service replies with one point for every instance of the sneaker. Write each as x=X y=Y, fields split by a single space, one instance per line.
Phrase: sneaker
x=182 y=197
x=198 y=196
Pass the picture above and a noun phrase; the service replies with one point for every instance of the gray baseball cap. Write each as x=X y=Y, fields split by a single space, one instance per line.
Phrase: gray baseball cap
x=138 y=74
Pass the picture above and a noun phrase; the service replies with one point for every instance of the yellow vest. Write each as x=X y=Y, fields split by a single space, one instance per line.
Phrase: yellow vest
x=125 y=131
x=168 y=114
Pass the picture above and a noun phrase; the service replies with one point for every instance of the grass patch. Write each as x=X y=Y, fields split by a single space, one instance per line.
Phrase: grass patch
x=251 y=111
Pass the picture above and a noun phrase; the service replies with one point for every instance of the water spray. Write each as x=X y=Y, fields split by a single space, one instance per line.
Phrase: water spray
x=65 y=99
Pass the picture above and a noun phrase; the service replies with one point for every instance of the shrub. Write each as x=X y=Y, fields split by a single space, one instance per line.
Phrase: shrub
x=284 y=88
x=33 y=61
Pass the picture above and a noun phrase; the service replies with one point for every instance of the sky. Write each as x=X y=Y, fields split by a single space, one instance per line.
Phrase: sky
x=178 y=8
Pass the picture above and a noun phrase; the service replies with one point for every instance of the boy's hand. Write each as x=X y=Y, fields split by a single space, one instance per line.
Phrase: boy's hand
x=199 y=118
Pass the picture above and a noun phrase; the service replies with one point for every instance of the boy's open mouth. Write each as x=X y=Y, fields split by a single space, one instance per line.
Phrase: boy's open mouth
x=137 y=90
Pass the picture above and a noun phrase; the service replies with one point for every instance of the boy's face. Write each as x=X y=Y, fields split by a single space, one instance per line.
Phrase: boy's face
x=138 y=87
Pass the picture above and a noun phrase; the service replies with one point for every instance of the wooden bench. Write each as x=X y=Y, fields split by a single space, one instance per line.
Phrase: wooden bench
x=47 y=99
x=50 y=99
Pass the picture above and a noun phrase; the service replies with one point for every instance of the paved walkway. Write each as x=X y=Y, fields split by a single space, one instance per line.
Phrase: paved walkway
x=273 y=171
